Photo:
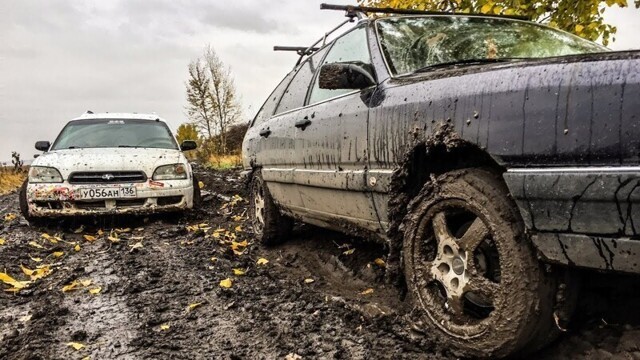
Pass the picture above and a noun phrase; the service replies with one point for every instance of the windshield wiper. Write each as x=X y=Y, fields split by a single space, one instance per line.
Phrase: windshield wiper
x=464 y=62
x=127 y=146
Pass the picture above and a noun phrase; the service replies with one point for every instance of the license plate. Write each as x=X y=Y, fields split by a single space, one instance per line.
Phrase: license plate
x=107 y=193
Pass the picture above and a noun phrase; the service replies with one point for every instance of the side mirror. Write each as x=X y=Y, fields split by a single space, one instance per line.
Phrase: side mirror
x=43 y=145
x=347 y=75
x=35 y=156
x=188 y=145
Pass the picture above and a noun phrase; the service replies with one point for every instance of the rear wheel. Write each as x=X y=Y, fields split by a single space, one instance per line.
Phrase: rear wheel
x=473 y=275
x=269 y=225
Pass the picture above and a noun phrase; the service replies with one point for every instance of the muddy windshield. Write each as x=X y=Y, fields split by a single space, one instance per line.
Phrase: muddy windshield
x=413 y=44
x=115 y=133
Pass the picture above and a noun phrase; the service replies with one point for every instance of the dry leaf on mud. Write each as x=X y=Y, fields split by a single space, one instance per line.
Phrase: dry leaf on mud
x=293 y=356
x=79 y=230
x=237 y=218
x=10 y=217
x=76 y=345
x=380 y=262
x=113 y=237
x=193 y=306
x=308 y=281
x=164 y=327
x=100 y=232
x=226 y=283
x=70 y=287
x=2 y=241
x=200 y=184
x=236 y=245
x=238 y=228
x=51 y=239
x=125 y=230
x=35 y=245
x=90 y=238
x=349 y=252
x=76 y=248
x=238 y=272
x=135 y=246
x=85 y=282
x=367 y=292
x=25 y=318
x=262 y=261
x=17 y=285
x=35 y=259
x=57 y=254
x=26 y=271
x=95 y=291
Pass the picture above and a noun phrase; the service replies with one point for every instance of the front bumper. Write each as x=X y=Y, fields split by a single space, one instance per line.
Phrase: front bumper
x=57 y=200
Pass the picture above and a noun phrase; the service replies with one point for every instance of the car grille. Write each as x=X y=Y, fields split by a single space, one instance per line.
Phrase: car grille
x=107 y=177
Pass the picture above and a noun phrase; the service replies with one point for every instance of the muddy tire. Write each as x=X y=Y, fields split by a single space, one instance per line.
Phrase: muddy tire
x=22 y=197
x=471 y=271
x=268 y=224
x=197 y=193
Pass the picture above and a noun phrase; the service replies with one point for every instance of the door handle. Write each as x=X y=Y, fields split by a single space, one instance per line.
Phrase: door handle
x=302 y=124
x=265 y=133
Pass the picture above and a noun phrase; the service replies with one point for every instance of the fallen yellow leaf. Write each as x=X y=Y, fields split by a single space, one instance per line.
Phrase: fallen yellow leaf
x=76 y=345
x=10 y=217
x=35 y=245
x=226 y=283
x=72 y=286
x=137 y=245
x=85 y=282
x=214 y=259
x=2 y=241
x=193 y=306
x=52 y=239
x=76 y=248
x=36 y=259
x=380 y=262
x=238 y=228
x=200 y=184
x=308 y=281
x=100 y=232
x=262 y=261
x=89 y=238
x=349 y=252
x=367 y=292
x=125 y=230
x=26 y=271
x=164 y=327
x=237 y=245
x=95 y=291
x=41 y=272
x=238 y=272
x=5 y=278
x=57 y=254
x=113 y=237
x=79 y=230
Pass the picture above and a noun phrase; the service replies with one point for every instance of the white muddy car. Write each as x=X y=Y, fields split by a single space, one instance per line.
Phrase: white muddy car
x=110 y=164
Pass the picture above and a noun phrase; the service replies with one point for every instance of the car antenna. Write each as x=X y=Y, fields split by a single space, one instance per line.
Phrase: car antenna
x=352 y=13
x=363 y=10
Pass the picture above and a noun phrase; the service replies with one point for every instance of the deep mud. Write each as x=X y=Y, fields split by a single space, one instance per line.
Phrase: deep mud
x=273 y=311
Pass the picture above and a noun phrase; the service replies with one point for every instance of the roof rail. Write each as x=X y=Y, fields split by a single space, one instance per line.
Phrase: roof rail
x=351 y=10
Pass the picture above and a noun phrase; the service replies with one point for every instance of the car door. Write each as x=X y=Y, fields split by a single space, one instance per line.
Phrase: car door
x=330 y=156
x=276 y=154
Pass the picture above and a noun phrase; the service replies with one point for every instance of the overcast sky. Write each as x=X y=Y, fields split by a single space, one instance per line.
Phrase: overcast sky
x=61 y=58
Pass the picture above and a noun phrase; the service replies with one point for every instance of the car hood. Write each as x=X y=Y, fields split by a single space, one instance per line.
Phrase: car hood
x=109 y=159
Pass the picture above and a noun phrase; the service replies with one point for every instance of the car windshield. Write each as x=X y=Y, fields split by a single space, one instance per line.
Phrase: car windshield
x=411 y=44
x=113 y=133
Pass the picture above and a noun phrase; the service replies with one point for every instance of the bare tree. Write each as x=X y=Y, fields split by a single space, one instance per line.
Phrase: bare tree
x=199 y=106
x=211 y=96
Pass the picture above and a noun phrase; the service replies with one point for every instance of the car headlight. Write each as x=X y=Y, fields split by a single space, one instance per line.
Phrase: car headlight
x=43 y=174
x=170 y=172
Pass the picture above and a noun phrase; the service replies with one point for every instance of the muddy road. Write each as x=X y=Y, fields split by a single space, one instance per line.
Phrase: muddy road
x=198 y=287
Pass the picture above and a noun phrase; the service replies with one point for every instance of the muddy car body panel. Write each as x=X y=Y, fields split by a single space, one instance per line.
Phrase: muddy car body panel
x=564 y=129
x=111 y=180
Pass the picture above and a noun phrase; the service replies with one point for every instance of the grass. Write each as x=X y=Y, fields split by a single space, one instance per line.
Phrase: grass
x=10 y=181
x=223 y=162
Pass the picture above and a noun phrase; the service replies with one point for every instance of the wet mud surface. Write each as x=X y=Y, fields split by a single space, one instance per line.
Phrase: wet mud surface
x=160 y=293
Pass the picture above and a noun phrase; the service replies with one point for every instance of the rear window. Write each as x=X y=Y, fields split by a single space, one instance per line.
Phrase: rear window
x=114 y=133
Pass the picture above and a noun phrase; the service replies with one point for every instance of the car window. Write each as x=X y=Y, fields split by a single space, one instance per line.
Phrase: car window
x=113 y=133
x=350 y=47
x=296 y=93
x=415 y=43
x=269 y=106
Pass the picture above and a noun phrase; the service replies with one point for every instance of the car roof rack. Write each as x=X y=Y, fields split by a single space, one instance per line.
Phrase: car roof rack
x=359 y=11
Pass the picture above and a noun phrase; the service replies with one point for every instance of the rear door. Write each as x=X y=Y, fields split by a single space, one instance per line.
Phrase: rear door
x=277 y=154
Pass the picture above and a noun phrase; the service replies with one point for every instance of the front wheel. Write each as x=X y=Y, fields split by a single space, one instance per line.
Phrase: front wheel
x=471 y=271
x=269 y=225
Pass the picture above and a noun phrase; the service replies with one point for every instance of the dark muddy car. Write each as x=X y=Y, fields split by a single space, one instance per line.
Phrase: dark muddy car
x=490 y=154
